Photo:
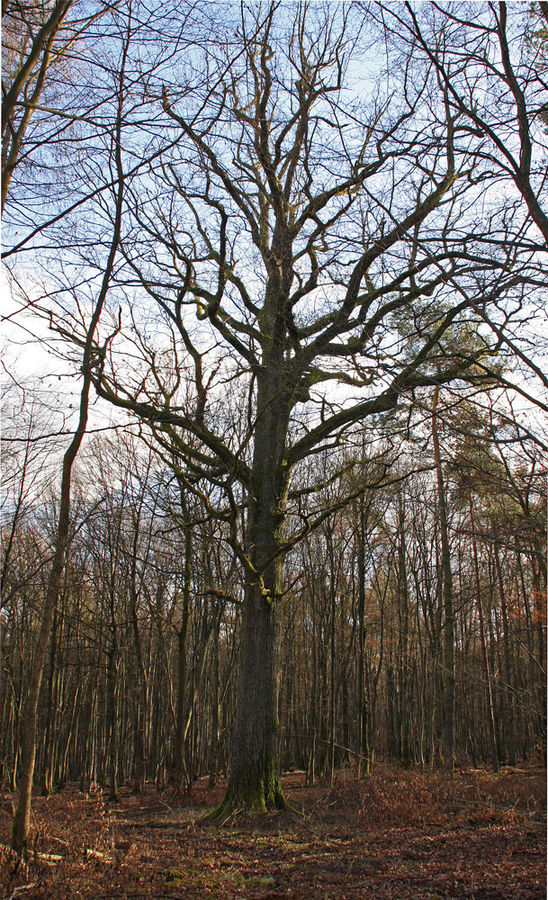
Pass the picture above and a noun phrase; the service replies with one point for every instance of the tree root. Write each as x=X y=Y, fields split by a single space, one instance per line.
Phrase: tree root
x=233 y=808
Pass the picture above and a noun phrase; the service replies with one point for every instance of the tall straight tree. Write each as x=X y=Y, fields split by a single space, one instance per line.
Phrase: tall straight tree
x=446 y=595
x=21 y=823
x=301 y=243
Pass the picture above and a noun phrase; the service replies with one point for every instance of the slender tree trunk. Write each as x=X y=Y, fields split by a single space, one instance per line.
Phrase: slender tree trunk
x=70 y=736
x=21 y=823
x=313 y=706
x=47 y=786
x=332 y=660
x=483 y=638
x=539 y=607
x=113 y=725
x=180 y=773
x=447 y=593
x=141 y=694
x=404 y=751
x=364 y=763
x=215 y=704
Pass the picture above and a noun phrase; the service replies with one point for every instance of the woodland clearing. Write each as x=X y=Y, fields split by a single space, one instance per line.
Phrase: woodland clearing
x=396 y=834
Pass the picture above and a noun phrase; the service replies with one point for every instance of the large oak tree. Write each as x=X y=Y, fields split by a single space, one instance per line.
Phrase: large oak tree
x=319 y=229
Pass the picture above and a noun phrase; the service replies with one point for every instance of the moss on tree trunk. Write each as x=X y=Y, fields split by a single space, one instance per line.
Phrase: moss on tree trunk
x=255 y=784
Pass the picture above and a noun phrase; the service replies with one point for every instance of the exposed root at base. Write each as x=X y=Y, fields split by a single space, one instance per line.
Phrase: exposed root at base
x=231 y=810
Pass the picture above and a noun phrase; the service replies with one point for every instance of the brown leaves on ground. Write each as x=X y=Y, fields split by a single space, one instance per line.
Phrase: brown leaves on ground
x=393 y=835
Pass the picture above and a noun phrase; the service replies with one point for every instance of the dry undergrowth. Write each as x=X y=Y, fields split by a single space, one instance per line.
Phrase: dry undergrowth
x=394 y=797
x=394 y=835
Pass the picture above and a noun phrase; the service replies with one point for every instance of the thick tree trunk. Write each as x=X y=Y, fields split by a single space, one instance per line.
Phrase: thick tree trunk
x=255 y=783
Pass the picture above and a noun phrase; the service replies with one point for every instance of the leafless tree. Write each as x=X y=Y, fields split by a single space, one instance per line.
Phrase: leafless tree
x=21 y=823
x=300 y=236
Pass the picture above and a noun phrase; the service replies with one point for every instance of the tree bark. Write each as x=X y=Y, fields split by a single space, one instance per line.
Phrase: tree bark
x=364 y=761
x=180 y=773
x=485 y=655
x=21 y=823
x=255 y=783
x=447 y=594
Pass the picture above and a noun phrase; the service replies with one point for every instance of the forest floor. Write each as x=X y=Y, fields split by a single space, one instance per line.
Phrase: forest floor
x=396 y=835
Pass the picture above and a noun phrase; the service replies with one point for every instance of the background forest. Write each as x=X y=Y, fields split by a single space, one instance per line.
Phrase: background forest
x=274 y=490
x=139 y=681
x=141 y=660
